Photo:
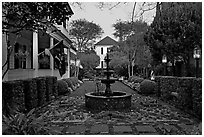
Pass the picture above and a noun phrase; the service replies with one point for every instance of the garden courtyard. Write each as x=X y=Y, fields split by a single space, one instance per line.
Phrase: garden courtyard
x=148 y=115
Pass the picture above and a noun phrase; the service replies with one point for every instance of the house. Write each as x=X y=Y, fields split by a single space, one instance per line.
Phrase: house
x=101 y=49
x=26 y=59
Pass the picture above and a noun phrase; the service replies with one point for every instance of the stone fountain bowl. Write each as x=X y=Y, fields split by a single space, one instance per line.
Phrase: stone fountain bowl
x=98 y=101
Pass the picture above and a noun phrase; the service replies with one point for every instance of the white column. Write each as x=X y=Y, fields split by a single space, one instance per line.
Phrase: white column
x=68 y=61
x=51 y=57
x=4 y=56
x=35 y=53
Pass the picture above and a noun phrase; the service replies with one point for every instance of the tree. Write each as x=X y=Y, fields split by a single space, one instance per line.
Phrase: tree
x=132 y=43
x=119 y=62
x=84 y=33
x=176 y=30
x=33 y=16
x=89 y=61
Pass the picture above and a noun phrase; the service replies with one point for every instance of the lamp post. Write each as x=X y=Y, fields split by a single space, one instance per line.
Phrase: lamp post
x=196 y=56
x=164 y=60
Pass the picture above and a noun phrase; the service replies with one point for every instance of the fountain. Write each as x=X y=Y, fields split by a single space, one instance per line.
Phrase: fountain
x=108 y=99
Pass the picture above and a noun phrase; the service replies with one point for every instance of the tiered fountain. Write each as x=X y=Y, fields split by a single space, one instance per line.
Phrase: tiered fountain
x=108 y=99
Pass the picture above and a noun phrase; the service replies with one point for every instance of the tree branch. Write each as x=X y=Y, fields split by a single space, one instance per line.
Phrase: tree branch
x=114 y=5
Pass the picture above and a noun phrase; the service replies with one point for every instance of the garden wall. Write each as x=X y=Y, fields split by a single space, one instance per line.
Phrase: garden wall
x=183 y=92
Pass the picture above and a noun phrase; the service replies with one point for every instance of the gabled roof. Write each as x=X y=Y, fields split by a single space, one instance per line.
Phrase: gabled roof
x=107 y=41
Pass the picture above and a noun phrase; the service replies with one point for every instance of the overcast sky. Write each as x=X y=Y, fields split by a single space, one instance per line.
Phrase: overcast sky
x=105 y=17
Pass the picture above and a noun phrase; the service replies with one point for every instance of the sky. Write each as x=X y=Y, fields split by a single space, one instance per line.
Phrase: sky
x=105 y=17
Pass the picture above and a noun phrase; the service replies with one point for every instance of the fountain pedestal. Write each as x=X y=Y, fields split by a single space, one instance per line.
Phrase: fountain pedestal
x=108 y=99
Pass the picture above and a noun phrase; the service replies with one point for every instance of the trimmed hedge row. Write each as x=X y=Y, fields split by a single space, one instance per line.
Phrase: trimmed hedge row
x=13 y=93
x=189 y=92
x=28 y=94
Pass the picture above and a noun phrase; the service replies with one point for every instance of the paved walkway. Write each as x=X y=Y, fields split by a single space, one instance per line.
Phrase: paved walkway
x=147 y=116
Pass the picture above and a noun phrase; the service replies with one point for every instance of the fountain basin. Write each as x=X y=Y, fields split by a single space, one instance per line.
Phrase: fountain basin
x=118 y=100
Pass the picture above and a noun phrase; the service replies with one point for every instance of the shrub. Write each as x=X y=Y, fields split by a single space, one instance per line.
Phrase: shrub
x=49 y=87
x=30 y=91
x=130 y=78
x=137 y=79
x=197 y=97
x=55 y=88
x=62 y=87
x=147 y=87
x=74 y=81
x=69 y=83
x=23 y=124
x=13 y=97
x=41 y=88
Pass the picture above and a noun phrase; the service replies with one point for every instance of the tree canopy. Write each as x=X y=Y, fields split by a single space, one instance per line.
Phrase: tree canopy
x=18 y=16
x=132 y=43
x=175 y=31
x=84 y=33
x=89 y=61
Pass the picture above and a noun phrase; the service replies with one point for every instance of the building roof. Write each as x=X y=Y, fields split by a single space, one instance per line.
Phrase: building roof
x=107 y=41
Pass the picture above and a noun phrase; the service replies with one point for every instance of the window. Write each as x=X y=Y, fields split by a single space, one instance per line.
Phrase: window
x=20 y=55
x=43 y=43
x=101 y=50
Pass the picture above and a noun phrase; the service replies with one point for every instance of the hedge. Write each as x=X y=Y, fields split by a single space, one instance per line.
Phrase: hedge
x=13 y=97
x=30 y=90
x=62 y=87
x=54 y=87
x=197 y=97
x=69 y=83
x=147 y=87
x=41 y=88
x=189 y=90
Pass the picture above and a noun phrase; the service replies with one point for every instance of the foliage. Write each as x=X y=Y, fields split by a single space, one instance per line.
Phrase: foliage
x=41 y=88
x=13 y=98
x=62 y=87
x=89 y=61
x=132 y=44
x=69 y=83
x=175 y=31
x=135 y=79
x=18 y=16
x=126 y=28
x=147 y=87
x=84 y=33
x=23 y=124
x=119 y=62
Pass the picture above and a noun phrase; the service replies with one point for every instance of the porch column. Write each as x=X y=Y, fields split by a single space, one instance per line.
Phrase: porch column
x=51 y=57
x=68 y=62
x=35 y=54
x=4 y=56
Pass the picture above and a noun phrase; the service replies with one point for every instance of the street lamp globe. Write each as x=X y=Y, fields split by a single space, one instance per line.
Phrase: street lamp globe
x=197 y=53
x=164 y=59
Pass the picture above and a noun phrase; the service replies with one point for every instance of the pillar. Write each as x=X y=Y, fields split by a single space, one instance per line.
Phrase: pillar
x=51 y=57
x=35 y=54
x=68 y=62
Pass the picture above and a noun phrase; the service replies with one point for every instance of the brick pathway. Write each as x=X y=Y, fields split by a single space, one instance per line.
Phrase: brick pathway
x=68 y=115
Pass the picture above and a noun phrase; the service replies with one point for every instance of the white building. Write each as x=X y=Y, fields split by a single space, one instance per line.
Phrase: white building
x=101 y=48
x=34 y=43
